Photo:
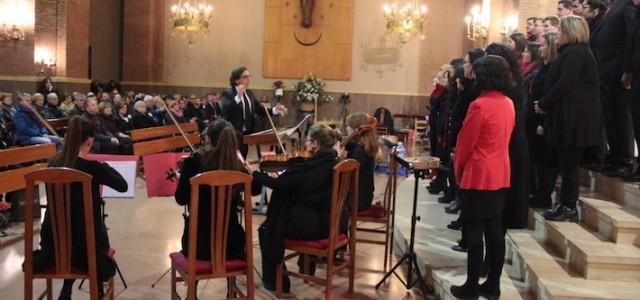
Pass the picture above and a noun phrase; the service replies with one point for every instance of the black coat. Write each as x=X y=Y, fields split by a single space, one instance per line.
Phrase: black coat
x=632 y=51
x=236 y=240
x=233 y=113
x=300 y=206
x=124 y=125
x=141 y=121
x=610 y=38
x=367 y=167
x=52 y=112
x=385 y=118
x=540 y=151
x=102 y=174
x=75 y=111
x=571 y=99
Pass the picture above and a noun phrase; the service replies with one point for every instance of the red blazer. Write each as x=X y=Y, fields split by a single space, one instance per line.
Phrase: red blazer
x=482 y=154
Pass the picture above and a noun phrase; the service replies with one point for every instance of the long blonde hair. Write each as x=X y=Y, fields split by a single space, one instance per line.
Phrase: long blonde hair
x=369 y=138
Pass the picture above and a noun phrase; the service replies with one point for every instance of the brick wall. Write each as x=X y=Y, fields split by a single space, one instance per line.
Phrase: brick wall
x=16 y=57
x=143 y=40
x=536 y=8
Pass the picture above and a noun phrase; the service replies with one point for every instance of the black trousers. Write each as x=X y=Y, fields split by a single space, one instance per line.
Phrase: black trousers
x=546 y=175
x=617 y=118
x=635 y=107
x=482 y=218
x=568 y=164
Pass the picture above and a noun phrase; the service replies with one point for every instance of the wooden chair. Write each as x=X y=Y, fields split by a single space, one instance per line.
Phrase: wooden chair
x=192 y=270
x=58 y=182
x=420 y=127
x=382 y=215
x=345 y=183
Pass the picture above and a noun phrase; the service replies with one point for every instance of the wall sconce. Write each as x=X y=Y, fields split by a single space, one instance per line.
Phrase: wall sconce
x=476 y=24
x=510 y=26
x=45 y=61
x=15 y=17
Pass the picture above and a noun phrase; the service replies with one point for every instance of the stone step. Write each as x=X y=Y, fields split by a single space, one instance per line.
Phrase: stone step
x=610 y=220
x=625 y=194
x=592 y=256
x=548 y=276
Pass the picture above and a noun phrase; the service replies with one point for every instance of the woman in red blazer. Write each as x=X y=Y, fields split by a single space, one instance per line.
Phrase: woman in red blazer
x=483 y=171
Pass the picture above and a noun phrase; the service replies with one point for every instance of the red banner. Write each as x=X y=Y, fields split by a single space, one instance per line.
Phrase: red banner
x=161 y=173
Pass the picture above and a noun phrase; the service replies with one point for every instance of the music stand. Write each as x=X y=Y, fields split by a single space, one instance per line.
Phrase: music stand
x=419 y=170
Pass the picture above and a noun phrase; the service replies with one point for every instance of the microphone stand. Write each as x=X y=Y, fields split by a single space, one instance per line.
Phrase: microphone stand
x=410 y=256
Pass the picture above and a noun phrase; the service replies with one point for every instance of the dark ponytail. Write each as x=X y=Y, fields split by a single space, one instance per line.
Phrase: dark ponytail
x=324 y=135
x=79 y=131
x=224 y=141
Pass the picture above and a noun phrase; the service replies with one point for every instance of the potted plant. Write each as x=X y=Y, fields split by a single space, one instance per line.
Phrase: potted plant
x=309 y=92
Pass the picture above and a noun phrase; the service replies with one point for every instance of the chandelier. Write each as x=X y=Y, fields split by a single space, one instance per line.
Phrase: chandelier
x=14 y=33
x=191 y=19
x=406 y=20
x=476 y=25
x=15 y=16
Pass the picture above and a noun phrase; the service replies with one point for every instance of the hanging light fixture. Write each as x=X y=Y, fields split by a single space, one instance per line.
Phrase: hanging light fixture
x=476 y=24
x=407 y=20
x=191 y=19
x=14 y=17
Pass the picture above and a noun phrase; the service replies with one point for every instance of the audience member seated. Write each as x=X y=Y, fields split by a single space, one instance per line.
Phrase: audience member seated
x=96 y=86
x=194 y=112
x=67 y=104
x=29 y=129
x=177 y=113
x=212 y=106
x=302 y=199
x=364 y=149
x=7 y=109
x=79 y=141
x=222 y=156
x=51 y=110
x=78 y=105
x=141 y=118
x=158 y=111
x=105 y=97
x=105 y=112
x=37 y=101
x=104 y=141
x=123 y=118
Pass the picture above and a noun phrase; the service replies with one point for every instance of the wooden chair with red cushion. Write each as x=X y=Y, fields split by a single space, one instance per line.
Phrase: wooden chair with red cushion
x=189 y=269
x=58 y=182
x=345 y=183
x=382 y=214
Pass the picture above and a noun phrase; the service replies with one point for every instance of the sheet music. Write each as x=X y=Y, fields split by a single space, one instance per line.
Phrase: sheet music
x=128 y=170
x=287 y=132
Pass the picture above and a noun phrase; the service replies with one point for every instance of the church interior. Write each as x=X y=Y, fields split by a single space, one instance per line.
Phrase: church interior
x=319 y=149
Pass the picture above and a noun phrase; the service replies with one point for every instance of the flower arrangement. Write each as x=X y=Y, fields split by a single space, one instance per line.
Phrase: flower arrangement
x=311 y=89
x=278 y=89
x=278 y=84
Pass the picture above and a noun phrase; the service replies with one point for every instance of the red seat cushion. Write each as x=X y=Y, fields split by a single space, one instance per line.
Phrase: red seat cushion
x=375 y=211
x=204 y=267
x=319 y=244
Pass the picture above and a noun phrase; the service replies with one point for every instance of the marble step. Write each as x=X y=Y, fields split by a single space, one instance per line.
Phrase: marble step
x=610 y=220
x=509 y=288
x=548 y=276
x=592 y=256
x=624 y=193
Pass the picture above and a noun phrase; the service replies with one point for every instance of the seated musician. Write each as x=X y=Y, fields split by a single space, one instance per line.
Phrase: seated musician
x=363 y=148
x=301 y=198
x=222 y=156
x=141 y=118
x=29 y=129
x=79 y=139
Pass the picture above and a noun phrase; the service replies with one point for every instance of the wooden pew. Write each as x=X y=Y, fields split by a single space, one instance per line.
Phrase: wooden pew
x=12 y=179
x=164 y=138
x=14 y=164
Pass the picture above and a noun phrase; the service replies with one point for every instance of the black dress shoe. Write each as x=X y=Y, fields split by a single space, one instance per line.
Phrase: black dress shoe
x=618 y=171
x=454 y=225
x=561 y=213
x=464 y=293
x=435 y=190
x=458 y=248
x=490 y=293
x=446 y=199
x=453 y=208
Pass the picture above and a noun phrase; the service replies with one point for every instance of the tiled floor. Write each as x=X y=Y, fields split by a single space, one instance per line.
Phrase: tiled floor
x=144 y=231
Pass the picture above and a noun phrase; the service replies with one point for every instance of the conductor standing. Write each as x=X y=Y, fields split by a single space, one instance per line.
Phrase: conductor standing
x=239 y=106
